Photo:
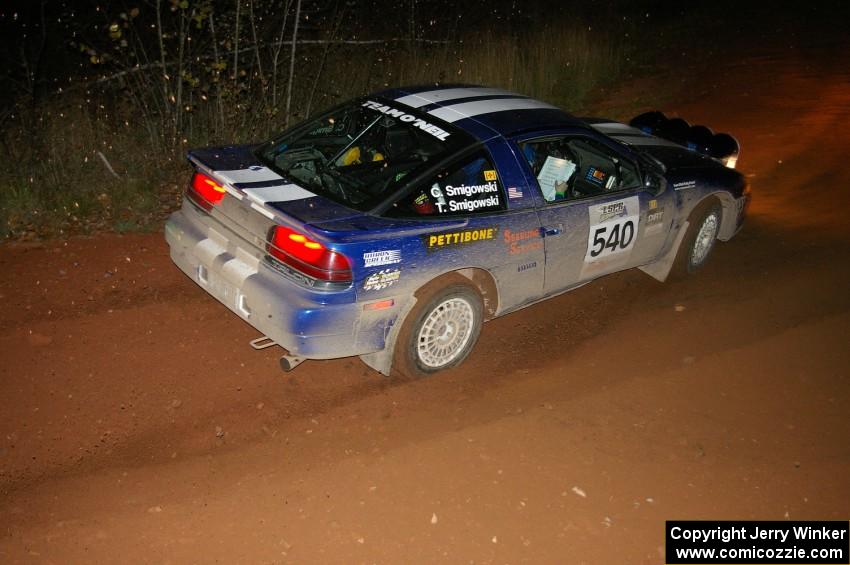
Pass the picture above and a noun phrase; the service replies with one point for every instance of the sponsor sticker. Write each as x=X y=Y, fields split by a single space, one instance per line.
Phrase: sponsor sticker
x=522 y=241
x=595 y=176
x=463 y=237
x=466 y=197
x=605 y=212
x=613 y=229
x=526 y=267
x=653 y=204
x=684 y=185
x=378 y=258
x=490 y=175
x=382 y=279
x=402 y=116
x=654 y=220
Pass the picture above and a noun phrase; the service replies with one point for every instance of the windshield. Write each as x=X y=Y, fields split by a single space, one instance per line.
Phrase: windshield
x=363 y=152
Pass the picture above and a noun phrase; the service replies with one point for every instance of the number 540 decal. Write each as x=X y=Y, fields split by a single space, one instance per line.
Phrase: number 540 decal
x=613 y=228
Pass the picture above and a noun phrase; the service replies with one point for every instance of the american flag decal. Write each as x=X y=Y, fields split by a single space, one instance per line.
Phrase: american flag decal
x=514 y=192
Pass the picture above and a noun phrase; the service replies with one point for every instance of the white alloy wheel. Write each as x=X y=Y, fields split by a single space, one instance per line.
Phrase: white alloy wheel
x=445 y=332
x=706 y=236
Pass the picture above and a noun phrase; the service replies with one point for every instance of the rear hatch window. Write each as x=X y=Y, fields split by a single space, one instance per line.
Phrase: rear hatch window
x=361 y=153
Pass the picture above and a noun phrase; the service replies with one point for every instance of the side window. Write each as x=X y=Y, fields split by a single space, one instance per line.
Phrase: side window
x=575 y=167
x=468 y=186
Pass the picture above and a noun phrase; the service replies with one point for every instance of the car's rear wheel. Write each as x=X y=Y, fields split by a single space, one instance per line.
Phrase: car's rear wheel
x=696 y=247
x=440 y=331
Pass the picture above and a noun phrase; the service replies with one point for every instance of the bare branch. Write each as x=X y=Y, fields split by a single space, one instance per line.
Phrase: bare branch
x=292 y=63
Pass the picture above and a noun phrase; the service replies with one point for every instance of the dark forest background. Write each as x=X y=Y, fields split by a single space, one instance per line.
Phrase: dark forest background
x=99 y=101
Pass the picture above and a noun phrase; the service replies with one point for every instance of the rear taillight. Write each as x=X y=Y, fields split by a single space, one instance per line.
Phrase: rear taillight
x=307 y=256
x=204 y=191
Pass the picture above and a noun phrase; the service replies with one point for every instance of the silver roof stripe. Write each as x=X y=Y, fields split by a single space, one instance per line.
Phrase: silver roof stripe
x=630 y=135
x=283 y=193
x=257 y=174
x=463 y=110
x=648 y=140
x=430 y=97
x=615 y=127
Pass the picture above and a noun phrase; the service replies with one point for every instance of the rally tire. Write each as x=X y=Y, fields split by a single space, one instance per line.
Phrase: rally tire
x=699 y=241
x=440 y=331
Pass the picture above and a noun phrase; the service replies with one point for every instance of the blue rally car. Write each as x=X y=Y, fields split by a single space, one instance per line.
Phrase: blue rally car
x=392 y=226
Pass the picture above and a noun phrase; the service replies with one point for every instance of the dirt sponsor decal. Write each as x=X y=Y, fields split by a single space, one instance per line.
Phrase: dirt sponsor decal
x=654 y=220
x=463 y=237
x=378 y=258
x=403 y=116
x=613 y=229
x=382 y=279
x=522 y=241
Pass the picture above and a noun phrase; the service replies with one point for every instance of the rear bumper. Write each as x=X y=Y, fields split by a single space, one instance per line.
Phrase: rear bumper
x=307 y=323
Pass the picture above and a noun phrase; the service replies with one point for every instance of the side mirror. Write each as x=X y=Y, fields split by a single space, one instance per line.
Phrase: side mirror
x=654 y=183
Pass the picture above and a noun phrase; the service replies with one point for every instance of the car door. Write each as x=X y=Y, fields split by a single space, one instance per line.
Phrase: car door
x=596 y=215
x=493 y=226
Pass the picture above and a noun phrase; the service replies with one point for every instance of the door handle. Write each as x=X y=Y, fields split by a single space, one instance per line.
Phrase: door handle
x=551 y=231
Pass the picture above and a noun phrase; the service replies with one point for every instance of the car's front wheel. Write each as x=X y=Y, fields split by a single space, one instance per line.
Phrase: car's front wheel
x=440 y=331
x=699 y=242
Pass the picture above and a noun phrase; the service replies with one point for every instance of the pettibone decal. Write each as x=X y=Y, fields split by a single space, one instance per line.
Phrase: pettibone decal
x=437 y=132
x=522 y=241
x=378 y=258
x=437 y=241
x=382 y=279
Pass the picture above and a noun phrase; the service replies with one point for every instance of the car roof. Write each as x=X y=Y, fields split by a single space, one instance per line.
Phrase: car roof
x=482 y=111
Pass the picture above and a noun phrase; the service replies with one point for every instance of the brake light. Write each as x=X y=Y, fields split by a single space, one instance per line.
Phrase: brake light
x=307 y=256
x=204 y=191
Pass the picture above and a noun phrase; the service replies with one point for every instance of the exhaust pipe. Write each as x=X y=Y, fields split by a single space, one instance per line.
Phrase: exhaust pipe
x=289 y=362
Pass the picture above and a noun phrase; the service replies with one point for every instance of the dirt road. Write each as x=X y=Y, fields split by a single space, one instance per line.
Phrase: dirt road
x=136 y=425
